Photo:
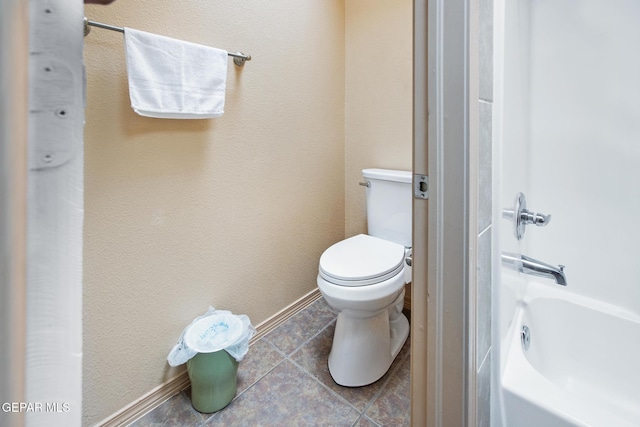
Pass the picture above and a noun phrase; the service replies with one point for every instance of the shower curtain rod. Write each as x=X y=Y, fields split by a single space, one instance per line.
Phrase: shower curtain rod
x=239 y=58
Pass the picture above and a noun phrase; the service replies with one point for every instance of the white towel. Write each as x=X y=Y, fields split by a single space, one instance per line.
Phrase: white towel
x=174 y=79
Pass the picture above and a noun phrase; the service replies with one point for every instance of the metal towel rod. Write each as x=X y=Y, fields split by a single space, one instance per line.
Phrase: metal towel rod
x=239 y=58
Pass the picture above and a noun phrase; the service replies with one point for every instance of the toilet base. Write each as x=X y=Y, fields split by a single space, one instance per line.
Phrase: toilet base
x=363 y=349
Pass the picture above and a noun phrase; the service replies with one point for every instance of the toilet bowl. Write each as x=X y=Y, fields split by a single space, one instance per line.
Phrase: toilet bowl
x=363 y=278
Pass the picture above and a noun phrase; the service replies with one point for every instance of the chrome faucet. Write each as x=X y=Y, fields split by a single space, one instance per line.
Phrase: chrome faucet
x=526 y=265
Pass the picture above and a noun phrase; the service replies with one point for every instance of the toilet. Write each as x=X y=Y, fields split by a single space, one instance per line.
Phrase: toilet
x=363 y=278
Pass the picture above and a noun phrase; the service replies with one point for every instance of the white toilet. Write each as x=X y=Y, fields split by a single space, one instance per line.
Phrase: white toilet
x=363 y=278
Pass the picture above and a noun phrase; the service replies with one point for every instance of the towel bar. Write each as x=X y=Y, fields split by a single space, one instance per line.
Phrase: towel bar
x=239 y=58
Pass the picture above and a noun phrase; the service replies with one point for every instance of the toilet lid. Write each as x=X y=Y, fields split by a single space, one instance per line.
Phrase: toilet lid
x=361 y=260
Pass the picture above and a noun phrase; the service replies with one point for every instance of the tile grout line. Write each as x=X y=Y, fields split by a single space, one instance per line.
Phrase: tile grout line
x=297 y=349
x=326 y=387
x=304 y=371
x=383 y=387
x=289 y=357
x=254 y=382
x=199 y=414
x=284 y=357
x=210 y=417
x=377 y=395
x=386 y=383
x=375 y=424
x=318 y=380
x=245 y=390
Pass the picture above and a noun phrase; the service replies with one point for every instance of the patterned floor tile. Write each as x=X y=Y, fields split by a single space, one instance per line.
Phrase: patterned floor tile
x=404 y=351
x=295 y=331
x=272 y=391
x=393 y=406
x=261 y=358
x=175 y=412
x=365 y=422
x=286 y=397
x=313 y=357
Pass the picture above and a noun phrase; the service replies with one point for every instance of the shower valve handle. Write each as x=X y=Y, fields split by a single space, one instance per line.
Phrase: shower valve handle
x=521 y=217
x=538 y=219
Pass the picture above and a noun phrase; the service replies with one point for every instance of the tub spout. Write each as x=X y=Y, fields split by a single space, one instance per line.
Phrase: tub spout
x=526 y=265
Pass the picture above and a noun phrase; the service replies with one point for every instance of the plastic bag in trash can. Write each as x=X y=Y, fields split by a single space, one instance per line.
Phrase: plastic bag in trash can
x=213 y=331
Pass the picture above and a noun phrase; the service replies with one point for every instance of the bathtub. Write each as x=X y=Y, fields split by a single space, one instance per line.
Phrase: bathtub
x=582 y=366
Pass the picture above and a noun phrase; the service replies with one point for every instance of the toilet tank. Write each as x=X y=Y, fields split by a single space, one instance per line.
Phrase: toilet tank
x=389 y=204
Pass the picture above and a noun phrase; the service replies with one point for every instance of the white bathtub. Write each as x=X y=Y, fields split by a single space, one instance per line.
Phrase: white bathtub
x=582 y=367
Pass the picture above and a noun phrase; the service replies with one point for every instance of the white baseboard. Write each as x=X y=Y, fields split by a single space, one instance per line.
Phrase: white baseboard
x=147 y=403
x=165 y=391
x=285 y=314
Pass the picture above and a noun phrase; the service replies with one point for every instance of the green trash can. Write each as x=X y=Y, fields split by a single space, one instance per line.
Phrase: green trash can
x=213 y=372
x=213 y=380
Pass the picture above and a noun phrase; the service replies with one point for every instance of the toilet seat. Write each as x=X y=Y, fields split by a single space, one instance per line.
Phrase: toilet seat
x=361 y=260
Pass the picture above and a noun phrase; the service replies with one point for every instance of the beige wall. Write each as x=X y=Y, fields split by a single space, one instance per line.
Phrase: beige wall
x=232 y=212
x=378 y=93
x=14 y=48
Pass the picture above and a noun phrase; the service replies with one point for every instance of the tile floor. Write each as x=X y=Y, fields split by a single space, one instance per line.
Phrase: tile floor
x=284 y=381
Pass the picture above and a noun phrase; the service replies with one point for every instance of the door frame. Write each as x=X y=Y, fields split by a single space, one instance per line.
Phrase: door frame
x=442 y=382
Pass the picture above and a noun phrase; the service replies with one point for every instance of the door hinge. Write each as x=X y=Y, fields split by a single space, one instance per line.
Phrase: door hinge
x=420 y=186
